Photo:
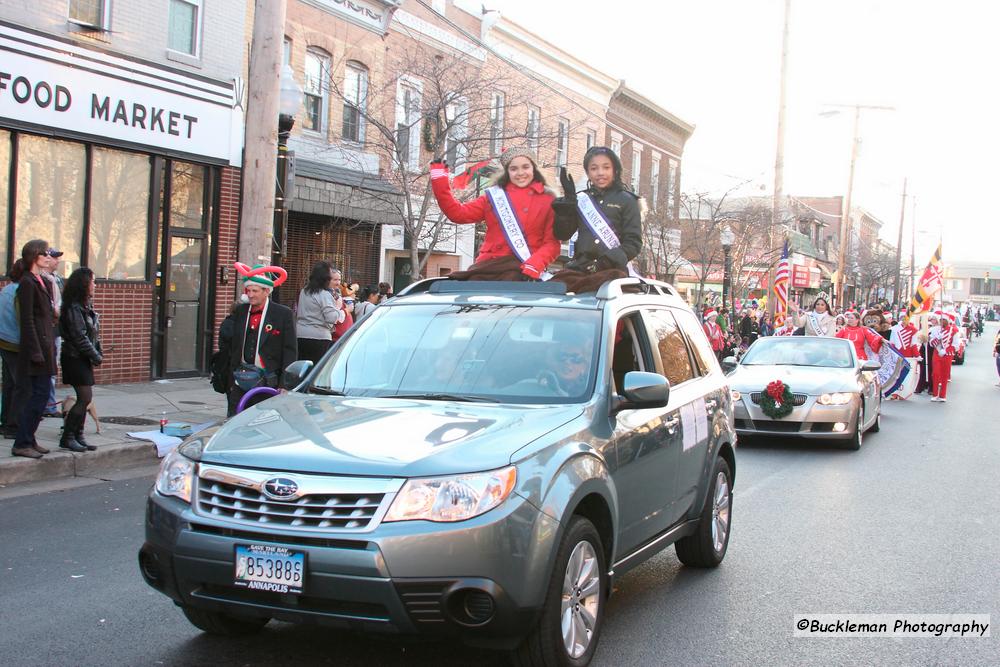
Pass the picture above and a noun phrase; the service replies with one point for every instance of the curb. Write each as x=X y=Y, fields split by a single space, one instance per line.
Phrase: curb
x=57 y=464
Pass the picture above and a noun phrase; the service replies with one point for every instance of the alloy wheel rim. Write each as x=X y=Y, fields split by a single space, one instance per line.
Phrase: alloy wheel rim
x=581 y=599
x=720 y=512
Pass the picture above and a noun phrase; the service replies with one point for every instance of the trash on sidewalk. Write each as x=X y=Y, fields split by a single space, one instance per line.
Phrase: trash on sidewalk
x=164 y=442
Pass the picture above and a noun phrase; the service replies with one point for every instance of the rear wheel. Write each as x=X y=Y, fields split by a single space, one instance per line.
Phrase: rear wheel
x=570 y=625
x=707 y=546
x=226 y=625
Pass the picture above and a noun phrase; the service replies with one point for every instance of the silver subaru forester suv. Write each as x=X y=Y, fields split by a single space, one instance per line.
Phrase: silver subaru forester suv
x=477 y=460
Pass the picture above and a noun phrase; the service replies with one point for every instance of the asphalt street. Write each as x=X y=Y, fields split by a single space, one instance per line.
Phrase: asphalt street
x=906 y=525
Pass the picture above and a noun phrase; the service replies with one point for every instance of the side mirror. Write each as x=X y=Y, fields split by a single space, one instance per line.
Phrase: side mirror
x=642 y=390
x=870 y=365
x=295 y=373
x=729 y=365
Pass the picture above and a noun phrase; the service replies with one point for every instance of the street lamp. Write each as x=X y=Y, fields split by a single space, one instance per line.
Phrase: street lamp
x=289 y=101
x=726 y=237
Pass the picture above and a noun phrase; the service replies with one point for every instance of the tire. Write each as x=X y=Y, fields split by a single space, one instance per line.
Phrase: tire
x=877 y=424
x=580 y=551
x=705 y=548
x=225 y=625
x=854 y=443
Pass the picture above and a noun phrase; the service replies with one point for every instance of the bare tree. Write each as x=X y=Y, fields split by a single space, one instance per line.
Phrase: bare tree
x=435 y=104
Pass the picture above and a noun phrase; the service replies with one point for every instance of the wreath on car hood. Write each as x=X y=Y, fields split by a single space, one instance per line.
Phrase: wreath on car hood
x=776 y=401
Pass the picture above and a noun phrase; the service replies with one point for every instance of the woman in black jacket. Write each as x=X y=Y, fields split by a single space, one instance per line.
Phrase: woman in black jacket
x=36 y=360
x=79 y=327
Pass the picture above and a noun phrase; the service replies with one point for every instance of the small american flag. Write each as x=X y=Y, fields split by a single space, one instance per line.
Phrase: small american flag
x=781 y=288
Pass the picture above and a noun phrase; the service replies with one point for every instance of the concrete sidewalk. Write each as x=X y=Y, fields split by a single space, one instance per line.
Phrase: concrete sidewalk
x=189 y=400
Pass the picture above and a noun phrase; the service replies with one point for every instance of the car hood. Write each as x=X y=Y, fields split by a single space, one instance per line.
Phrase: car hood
x=800 y=379
x=381 y=437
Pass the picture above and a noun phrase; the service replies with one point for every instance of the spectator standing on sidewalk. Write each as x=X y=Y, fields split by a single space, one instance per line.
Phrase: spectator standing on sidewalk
x=36 y=361
x=368 y=300
x=79 y=326
x=996 y=354
x=317 y=313
x=10 y=344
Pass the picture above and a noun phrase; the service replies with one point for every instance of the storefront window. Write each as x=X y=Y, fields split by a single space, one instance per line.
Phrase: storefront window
x=119 y=214
x=187 y=195
x=50 y=187
x=4 y=193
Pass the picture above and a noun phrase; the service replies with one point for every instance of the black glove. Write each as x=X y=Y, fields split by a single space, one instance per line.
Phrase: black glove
x=568 y=186
x=614 y=258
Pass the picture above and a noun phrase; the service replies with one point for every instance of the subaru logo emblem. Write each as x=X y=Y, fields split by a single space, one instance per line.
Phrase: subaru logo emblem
x=281 y=488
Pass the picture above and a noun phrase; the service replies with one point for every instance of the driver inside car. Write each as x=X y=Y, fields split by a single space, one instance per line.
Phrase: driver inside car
x=567 y=368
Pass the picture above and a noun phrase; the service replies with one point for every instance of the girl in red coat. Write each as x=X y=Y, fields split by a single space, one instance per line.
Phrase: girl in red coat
x=517 y=211
x=859 y=335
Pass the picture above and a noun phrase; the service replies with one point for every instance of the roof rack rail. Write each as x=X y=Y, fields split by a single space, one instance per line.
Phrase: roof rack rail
x=420 y=286
x=635 y=285
x=496 y=287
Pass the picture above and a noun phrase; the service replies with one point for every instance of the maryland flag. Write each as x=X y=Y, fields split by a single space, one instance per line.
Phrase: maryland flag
x=479 y=170
x=928 y=287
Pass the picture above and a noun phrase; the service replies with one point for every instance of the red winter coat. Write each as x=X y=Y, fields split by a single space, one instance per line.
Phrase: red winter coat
x=533 y=206
x=859 y=336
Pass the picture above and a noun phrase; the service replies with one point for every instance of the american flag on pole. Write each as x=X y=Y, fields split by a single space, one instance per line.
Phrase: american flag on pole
x=781 y=275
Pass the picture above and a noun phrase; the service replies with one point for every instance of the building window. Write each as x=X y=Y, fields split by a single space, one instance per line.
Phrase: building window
x=187 y=195
x=616 y=146
x=654 y=183
x=315 y=89
x=4 y=198
x=457 y=121
x=51 y=176
x=534 y=125
x=636 y=167
x=355 y=102
x=119 y=214
x=496 y=123
x=286 y=52
x=91 y=13
x=591 y=139
x=408 y=124
x=183 y=28
x=671 y=184
x=562 y=142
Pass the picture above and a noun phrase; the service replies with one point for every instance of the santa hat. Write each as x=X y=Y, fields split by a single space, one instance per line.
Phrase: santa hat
x=710 y=314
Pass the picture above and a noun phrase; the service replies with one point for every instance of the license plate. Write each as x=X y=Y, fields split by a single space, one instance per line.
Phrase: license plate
x=264 y=567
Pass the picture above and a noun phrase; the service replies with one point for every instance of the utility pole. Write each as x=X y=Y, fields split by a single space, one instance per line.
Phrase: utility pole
x=899 y=248
x=260 y=153
x=845 y=216
x=779 y=154
x=913 y=244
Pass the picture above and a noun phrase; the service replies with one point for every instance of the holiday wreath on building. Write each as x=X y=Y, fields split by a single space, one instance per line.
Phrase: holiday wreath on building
x=776 y=401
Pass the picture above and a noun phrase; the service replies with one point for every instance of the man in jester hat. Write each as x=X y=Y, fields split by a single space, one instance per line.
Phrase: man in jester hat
x=264 y=342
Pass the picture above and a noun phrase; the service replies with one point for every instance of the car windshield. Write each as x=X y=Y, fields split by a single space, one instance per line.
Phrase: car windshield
x=490 y=353
x=800 y=351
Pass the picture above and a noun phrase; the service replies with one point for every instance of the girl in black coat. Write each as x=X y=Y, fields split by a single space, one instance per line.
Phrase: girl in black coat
x=79 y=327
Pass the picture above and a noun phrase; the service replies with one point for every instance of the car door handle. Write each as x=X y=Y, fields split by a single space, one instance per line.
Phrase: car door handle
x=672 y=423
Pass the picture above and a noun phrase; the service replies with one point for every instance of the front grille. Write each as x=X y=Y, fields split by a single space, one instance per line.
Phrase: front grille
x=318 y=510
x=257 y=538
x=774 y=425
x=351 y=609
x=797 y=399
x=423 y=601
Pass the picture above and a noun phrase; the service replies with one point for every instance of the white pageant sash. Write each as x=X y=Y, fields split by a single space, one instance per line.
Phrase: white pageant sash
x=814 y=321
x=595 y=221
x=510 y=226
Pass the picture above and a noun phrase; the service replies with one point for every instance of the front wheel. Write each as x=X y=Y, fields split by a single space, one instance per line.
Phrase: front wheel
x=707 y=546
x=877 y=424
x=570 y=625
x=855 y=442
x=226 y=625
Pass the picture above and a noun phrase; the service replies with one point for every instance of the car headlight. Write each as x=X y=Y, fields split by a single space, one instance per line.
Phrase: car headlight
x=737 y=395
x=839 y=398
x=176 y=476
x=454 y=498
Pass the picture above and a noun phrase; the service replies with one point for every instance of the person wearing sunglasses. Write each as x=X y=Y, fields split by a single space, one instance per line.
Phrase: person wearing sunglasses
x=568 y=369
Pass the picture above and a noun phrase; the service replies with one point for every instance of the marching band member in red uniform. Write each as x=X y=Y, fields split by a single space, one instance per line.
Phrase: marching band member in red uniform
x=903 y=337
x=714 y=332
x=943 y=338
x=859 y=335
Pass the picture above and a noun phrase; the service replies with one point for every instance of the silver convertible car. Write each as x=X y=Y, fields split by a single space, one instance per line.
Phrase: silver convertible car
x=836 y=395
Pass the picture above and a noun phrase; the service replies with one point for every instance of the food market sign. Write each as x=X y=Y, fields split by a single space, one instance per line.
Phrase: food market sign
x=63 y=86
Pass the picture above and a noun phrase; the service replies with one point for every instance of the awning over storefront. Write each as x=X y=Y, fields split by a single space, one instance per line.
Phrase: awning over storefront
x=325 y=189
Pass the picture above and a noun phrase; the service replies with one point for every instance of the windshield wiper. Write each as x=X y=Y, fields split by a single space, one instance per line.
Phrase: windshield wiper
x=313 y=389
x=446 y=397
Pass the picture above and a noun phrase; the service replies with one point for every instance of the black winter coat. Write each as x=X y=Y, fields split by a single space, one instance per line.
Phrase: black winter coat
x=38 y=349
x=80 y=328
x=621 y=208
x=278 y=345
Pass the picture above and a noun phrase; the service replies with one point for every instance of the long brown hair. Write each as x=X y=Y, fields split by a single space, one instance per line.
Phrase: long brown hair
x=32 y=250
